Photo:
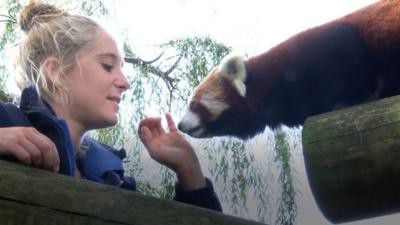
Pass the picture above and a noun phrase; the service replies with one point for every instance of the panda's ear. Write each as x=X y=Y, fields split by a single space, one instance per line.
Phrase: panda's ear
x=234 y=68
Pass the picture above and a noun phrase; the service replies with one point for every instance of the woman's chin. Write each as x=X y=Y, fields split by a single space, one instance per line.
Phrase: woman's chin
x=113 y=121
x=107 y=122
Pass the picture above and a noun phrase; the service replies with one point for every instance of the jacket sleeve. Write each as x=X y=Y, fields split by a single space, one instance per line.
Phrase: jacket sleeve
x=203 y=197
x=11 y=116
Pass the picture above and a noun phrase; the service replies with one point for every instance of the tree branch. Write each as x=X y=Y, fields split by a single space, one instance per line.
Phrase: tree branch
x=9 y=18
x=167 y=79
x=139 y=61
x=164 y=75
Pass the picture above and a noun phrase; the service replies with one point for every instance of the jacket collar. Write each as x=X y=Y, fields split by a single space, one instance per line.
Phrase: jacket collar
x=43 y=118
x=30 y=101
x=100 y=159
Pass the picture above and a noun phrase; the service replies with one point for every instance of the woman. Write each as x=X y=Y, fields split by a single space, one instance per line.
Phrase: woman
x=70 y=73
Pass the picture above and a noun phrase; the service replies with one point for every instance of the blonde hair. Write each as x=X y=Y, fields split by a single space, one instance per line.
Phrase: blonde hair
x=51 y=32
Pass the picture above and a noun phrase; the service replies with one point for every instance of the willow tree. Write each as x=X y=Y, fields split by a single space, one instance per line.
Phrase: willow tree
x=163 y=84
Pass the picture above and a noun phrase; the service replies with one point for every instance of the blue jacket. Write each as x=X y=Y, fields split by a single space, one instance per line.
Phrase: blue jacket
x=101 y=163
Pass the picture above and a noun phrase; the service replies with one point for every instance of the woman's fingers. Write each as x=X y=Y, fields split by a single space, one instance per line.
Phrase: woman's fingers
x=145 y=134
x=33 y=152
x=170 y=123
x=22 y=155
x=153 y=124
x=48 y=150
x=30 y=147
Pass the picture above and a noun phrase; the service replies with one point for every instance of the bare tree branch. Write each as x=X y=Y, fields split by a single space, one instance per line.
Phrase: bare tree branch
x=139 y=61
x=8 y=18
x=167 y=79
x=11 y=15
x=6 y=21
x=173 y=67
x=164 y=75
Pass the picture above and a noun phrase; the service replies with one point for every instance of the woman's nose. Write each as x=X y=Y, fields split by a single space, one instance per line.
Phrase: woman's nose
x=122 y=82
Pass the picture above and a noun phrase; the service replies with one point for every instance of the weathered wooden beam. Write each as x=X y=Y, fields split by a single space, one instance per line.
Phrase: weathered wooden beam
x=352 y=158
x=17 y=213
x=32 y=196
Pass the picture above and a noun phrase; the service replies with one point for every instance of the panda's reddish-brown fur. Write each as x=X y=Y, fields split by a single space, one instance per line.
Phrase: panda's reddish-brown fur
x=348 y=61
x=379 y=25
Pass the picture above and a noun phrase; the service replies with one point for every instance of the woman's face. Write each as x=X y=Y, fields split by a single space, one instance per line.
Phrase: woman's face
x=96 y=85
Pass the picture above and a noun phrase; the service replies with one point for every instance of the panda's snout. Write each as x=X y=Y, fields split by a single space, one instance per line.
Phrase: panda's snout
x=180 y=127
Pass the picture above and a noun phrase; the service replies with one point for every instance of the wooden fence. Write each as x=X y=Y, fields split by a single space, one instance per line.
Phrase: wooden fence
x=37 y=197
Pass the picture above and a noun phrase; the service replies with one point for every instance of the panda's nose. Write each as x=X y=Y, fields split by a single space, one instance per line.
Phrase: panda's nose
x=180 y=126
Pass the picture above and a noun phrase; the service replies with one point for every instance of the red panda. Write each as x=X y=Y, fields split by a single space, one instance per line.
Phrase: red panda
x=348 y=61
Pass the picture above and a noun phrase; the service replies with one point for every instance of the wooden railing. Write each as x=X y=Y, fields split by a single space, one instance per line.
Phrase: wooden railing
x=37 y=197
x=352 y=158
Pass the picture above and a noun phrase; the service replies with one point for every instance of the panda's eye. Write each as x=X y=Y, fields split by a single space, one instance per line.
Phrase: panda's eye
x=193 y=106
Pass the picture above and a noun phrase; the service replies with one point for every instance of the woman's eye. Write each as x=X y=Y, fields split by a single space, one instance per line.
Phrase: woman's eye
x=107 y=67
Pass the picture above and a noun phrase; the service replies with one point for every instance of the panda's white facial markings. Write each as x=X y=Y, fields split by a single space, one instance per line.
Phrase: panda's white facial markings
x=190 y=122
x=233 y=66
x=240 y=87
x=197 y=132
x=213 y=105
x=234 y=69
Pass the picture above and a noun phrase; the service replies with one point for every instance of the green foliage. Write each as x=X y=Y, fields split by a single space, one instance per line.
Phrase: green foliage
x=8 y=22
x=112 y=136
x=287 y=210
x=182 y=63
x=201 y=54
x=244 y=181
x=94 y=8
x=168 y=180
x=8 y=36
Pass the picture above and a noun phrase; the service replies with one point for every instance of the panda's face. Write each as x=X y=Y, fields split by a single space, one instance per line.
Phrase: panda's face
x=216 y=95
x=208 y=101
x=200 y=116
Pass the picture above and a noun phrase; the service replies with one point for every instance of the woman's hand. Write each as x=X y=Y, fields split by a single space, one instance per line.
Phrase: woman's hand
x=29 y=147
x=173 y=150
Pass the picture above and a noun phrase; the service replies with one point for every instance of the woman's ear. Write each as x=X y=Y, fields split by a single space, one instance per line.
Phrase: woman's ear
x=51 y=71
x=50 y=67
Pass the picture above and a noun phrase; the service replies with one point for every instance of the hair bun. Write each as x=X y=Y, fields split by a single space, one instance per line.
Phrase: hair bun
x=37 y=12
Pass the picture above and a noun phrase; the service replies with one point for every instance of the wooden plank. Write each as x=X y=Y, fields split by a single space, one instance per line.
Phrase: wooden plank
x=58 y=192
x=350 y=120
x=17 y=213
x=352 y=160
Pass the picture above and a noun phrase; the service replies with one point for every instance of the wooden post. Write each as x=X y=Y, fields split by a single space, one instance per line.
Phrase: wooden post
x=352 y=158
x=37 y=197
